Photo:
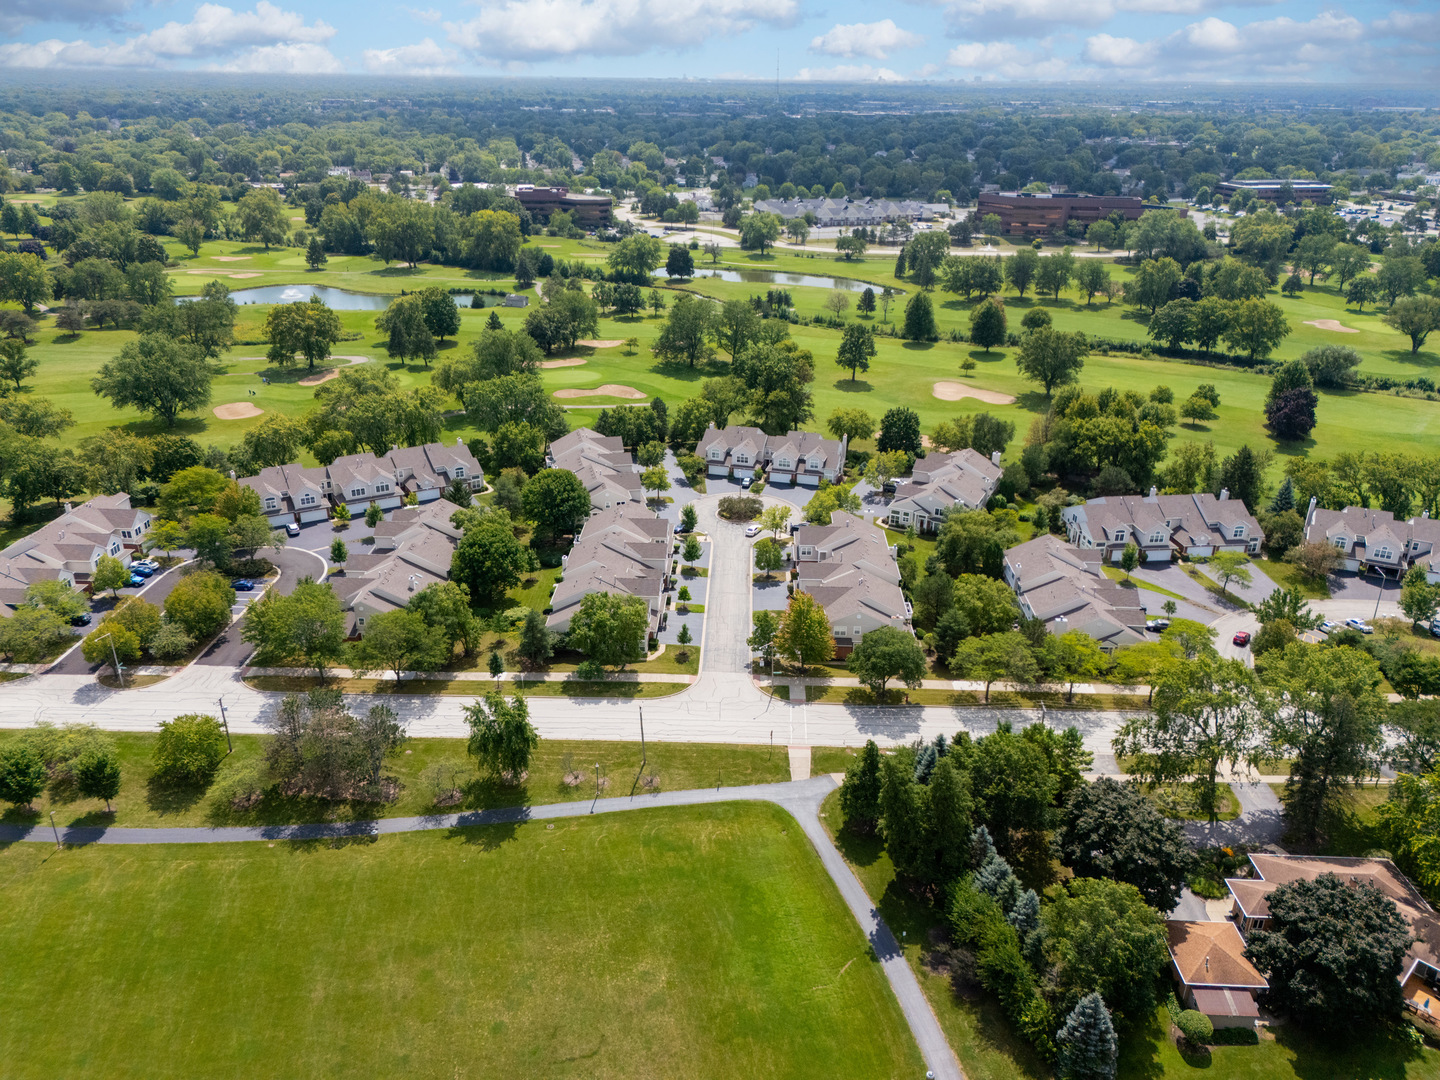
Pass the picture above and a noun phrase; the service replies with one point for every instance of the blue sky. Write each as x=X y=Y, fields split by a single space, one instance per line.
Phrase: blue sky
x=1375 y=41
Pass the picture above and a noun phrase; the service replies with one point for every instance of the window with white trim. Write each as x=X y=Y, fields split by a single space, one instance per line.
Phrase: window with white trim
x=356 y=492
x=382 y=487
x=307 y=499
x=1339 y=542
x=269 y=502
x=459 y=472
x=1239 y=532
x=1384 y=552
x=806 y=551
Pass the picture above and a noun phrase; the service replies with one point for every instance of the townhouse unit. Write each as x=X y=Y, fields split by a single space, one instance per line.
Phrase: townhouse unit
x=69 y=548
x=1419 y=972
x=413 y=549
x=1064 y=586
x=603 y=465
x=1161 y=526
x=849 y=568
x=1375 y=540
x=303 y=494
x=625 y=549
x=797 y=457
x=940 y=483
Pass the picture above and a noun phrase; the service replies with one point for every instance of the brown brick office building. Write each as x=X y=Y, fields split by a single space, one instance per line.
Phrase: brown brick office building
x=1036 y=215
x=591 y=211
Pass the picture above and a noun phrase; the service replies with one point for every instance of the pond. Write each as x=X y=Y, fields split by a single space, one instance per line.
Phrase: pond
x=339 y=299
x=780 y=278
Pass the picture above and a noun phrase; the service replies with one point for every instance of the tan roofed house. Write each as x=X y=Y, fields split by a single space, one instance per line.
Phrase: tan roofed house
x=624 y=550
x=965 y=479
x=1064 y=587
x=849 y=568
x=1208 y=960
x=68 y=548
x=601 y=463
x=797 y=457
x=1195 y=526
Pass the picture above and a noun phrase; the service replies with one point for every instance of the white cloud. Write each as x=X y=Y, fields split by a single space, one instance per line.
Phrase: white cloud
x=1118 y=51
x=1006 y=60
x=1038 y=18
x=1413 y=26
x=267 y=38
x=549 y=29
x=848 y=73
x=877 y=39
x=1213 y=47
x=427 y=15
x=424 y=58
x=296 y=58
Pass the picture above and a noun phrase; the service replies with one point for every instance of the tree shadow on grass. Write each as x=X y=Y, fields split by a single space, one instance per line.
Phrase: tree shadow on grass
x=168 y=797
x=1385 y=1054
x=485 y=837
x=398 y=271
x=853 y=386
x=1424 y=358
x=1139 y=1053
x=919 y=346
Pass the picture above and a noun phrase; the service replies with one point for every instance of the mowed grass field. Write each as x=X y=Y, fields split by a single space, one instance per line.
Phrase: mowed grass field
x=689 y=942
x=903 y=373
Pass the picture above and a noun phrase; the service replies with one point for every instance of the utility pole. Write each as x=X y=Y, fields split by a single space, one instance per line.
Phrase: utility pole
x=643 y=758
x=224 y=720
x=55 y=830
x=597 y=787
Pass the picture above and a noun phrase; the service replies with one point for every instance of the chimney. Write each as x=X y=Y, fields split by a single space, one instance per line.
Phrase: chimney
x=1310 y=513
x=232 y=474
x=995 y=458
x=1224 y=494
x=1207 y=963
x=69 y=507
x=1154 y=491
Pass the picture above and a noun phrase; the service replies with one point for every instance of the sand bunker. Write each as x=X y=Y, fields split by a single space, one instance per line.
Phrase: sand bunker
x=569 y=361
x=236 y=410
x=608 y=390
x=231 y=258
x=601 y=343
x=1331 y=324
x=253 y=273
x=955 y=391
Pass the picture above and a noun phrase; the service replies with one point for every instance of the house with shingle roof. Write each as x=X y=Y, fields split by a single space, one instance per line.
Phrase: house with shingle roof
x=602 y=464
x=413 y=548
x=1208 y=961
x=297 y=493
x=1161 y=526
x=68 y=548
x=1064 y=587
x=1419 y=972
x=940 y=483
x=849 y=568
x=797 y=457
x=625 y=549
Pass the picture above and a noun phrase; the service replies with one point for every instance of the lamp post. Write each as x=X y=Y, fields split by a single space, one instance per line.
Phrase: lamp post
x=1379 y=593
x=55 y=830
x=642 y=736
x=225 y=720
x=597 y=787
x=119 y=671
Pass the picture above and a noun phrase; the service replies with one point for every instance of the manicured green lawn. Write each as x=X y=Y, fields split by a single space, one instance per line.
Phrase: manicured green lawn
x=902 y=373
x=1353 y=828
x=676 y=766
x=1284 y=1053
x=697 y=942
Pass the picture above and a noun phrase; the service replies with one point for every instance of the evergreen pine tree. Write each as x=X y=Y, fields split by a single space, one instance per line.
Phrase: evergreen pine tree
x=900 y=262
x=860 y=794
x=920 y=319
x=494 y=323
x=950 y=810
x=981 y=846
x=1087 y=1042
x=902 y=815
x=1284 y=498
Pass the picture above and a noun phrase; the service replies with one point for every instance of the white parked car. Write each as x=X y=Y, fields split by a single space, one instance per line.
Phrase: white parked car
x=292 y=529
x=752 y=530
x=1329 y=626
x=1361 y=625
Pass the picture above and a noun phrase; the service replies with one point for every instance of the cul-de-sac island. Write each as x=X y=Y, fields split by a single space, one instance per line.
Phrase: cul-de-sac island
x=586 y=578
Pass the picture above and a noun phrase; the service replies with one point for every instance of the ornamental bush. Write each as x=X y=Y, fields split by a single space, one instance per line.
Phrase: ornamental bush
x=1195 y=1026
x=189 y=749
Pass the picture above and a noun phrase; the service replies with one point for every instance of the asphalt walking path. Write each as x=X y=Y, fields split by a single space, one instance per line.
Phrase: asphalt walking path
x=800 y=798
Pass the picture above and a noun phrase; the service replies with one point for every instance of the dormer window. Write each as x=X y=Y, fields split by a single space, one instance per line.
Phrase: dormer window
x=1157 y=538
x=816 y=465
x=459 y=472
x=1384 y=552
x=382 y=487
x=357 y=492
x=1339 y=542
x=1239 y=532
x=307 y=499
x=716 y=453
x=270 y=502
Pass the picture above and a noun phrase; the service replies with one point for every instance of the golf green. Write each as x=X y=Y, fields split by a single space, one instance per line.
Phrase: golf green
x=687 y=942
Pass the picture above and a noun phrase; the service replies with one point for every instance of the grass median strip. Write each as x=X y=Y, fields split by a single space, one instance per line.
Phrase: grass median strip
x=999 y=699
x=561 y=770
x=294 y=684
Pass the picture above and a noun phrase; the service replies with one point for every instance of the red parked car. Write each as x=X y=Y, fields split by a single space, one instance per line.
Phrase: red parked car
x=1242 y=638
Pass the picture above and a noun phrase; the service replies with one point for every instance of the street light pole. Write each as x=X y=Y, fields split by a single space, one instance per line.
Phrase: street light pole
x=119 y=672
x=597 y=788
x=1379 y=593
x=643 y=758
x=225 y=720
x=55 y=830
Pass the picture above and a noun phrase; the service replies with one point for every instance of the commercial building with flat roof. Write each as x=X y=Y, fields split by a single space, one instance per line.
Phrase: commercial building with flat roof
x=1275 y=190
x=1036 y=214
x=590 y=211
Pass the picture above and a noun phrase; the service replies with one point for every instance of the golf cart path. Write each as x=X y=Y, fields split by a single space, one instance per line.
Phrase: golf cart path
x=800 y=798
